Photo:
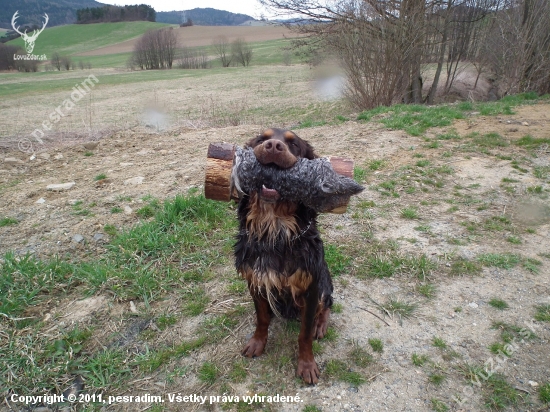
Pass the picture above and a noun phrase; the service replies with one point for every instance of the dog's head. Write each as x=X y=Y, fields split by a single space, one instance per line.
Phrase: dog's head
x=280 y=148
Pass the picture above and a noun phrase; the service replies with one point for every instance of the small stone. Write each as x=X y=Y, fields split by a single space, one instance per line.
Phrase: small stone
x=98 y=237
x=163 y=152
x=143 y=152
x=60 y=186
x=128 y=210
x=58 y=156
x=73 y=202
x=41 y=200
x=126 y=164
x=90 y=145
x=45 y=156
x=78 y=238
x=524 y=124
x=473 y=305
x=134 y=180
x=533 y=383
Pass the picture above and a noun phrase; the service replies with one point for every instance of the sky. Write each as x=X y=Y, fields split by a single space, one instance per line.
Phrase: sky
x=250 y=7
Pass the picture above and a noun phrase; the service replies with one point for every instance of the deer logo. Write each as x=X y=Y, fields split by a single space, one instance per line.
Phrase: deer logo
x=28 y=39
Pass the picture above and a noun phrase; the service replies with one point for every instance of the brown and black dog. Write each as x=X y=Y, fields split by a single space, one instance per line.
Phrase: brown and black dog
x=280 y=253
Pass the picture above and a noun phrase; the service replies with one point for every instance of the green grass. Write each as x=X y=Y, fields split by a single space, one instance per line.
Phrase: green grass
x=416 y=119
x=529 y=141
x=439 y=343
x=500 y=394
x=436 y=378
x=376 y=345
x=498 y=304
x=419 y=360
x=78 y=38
x=100 y=176
x=359 y=174
x=208 y=373
x=488 y=140
x=338 y=262
x=543 y=313
x=8 y=221
x=238 y=372
x=311 y=408
x=544 y=393
x=499 y=260
x=376 y=164
x=360 y=357
x=176 y=233
x=339 y=370
x=438 y=406
x=403 y=309
x=498 y=348
x=409 y=213
x=427 y=290
x=462 y=267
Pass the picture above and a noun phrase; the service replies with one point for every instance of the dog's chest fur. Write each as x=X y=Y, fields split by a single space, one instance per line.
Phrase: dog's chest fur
x=269 y=258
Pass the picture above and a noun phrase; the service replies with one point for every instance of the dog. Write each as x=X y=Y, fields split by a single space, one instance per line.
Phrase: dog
x=280 y=253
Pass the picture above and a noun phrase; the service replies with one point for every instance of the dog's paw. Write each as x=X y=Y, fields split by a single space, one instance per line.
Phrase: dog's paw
x=308 y=371
x=254 y=347
x=322 y=325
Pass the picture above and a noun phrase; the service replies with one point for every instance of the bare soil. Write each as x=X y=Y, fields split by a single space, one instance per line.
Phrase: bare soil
x=173 y=161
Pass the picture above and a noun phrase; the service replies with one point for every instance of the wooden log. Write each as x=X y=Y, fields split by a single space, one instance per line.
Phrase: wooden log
x=219 y=162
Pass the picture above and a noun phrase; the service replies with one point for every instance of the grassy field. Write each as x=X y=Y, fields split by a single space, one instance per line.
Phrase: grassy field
x=77 y=38
x=438 y=265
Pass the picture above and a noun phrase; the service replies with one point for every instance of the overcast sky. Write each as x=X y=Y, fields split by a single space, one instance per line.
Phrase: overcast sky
x=250 y=7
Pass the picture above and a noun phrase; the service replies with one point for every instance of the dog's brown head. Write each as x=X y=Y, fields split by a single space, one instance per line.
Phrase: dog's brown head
x=281 y=148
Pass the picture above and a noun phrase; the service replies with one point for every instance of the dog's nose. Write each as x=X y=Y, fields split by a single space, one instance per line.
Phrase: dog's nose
x=274 y=146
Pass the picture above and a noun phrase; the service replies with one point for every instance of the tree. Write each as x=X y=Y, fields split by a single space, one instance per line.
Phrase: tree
x=56 y=61
x=241 y=52
x=221 y=48
x=156 y=49
x=386 y=46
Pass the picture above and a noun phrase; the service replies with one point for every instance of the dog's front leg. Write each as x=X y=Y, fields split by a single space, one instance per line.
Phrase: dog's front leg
x=307 y=367
x=256 y=344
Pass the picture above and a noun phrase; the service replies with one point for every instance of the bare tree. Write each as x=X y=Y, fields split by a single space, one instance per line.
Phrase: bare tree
x=156 y=49
x=192 y=59
x=241 y=52
x=56 y=61
x=390 y=49
x=222 y=49
x=66 y=62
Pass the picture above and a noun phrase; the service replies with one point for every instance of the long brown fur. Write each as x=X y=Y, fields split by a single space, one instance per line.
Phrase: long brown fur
x=269 y=219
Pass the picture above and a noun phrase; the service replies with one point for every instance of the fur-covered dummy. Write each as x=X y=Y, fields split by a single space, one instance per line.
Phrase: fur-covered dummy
x=311 y=182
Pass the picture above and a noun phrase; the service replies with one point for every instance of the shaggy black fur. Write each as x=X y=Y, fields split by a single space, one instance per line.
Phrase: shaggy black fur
x=284 y=257
x=282 y=253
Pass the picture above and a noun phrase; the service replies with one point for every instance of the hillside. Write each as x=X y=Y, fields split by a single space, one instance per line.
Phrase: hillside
x=202 y=36
x=78 y=38
x=32 y=11
x=203 y=17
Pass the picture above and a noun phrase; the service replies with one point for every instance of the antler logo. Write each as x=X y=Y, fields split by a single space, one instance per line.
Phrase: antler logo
x=28 y=39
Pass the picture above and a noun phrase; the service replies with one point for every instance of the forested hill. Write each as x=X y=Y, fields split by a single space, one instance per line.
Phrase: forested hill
x=203 y=17
x=31 y=12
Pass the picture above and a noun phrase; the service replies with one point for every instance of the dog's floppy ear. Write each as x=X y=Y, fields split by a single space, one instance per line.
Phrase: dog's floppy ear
x=307 y=150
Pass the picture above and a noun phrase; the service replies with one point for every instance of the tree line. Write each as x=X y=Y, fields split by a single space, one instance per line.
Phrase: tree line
x=159 y=49
x=141 y=12
x=411 y=51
